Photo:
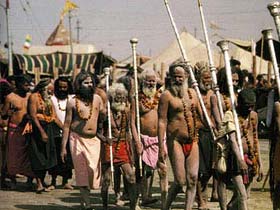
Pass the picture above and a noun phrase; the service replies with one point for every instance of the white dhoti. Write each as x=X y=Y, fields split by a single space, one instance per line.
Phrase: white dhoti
x=86 y=159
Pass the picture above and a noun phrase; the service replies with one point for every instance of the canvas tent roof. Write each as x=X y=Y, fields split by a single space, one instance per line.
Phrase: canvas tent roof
x=77 y=49
x=60 y=61
x=195 y=49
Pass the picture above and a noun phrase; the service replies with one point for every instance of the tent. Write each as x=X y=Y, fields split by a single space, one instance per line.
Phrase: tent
x=55 y=58
x=195 y=50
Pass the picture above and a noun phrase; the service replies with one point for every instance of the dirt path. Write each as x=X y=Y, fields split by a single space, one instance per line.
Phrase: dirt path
x=60 y=199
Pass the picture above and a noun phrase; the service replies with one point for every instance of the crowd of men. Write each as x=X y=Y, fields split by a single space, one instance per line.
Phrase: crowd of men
x=78 y=125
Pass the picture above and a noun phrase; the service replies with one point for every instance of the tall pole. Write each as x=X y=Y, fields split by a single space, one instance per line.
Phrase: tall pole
x=269 y=38
x=274 y=9
x=9 y=40
x=211 y=62
x=224 y=48
x=78 y=31
x=133 y=43
x=71 y=44
x=107 y=73
x=194 y=82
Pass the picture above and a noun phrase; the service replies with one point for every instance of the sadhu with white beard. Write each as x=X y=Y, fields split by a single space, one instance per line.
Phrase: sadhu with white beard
x=179 y=110
x=121 y=141
x=149 y=95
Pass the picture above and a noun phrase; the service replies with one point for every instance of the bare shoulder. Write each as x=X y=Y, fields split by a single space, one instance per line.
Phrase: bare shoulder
x=254 y=115
x=165 y=96
x=33 y=96
x=193 y=93
x=71 y=101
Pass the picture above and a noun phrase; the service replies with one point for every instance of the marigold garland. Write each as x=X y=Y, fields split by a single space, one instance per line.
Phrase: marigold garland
x=47 y=114
x=148 y=103
x=79 y=110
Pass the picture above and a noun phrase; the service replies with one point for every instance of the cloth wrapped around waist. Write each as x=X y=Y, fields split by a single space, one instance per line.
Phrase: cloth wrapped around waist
x=121 y=152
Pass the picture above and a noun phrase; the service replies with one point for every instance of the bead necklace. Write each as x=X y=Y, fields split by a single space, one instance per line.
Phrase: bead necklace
x=46 y=109
x=59 y=107
x=79 y=110
x=192 y=132
x=252 y=152
x=121 y=127
x=150 y=104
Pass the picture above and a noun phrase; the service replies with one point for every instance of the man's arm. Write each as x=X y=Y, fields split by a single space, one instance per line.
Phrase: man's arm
x=162 y=123
x=66 y=129
x=6 y=109
x=32 y=107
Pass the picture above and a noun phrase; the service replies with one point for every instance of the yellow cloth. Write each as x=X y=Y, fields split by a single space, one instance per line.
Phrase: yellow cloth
x=227 y=126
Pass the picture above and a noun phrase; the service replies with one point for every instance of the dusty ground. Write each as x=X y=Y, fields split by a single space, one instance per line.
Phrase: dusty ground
x=59 y=199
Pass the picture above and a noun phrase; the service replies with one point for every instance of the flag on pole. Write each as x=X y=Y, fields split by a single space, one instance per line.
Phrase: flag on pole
x=68 y=7
x=27 y=43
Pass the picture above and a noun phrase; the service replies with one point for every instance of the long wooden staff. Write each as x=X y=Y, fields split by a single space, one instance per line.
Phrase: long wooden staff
x=224 y=47
x=194 y=82
x=269 y=38
x=133 y=43
x=211 y=62
x=107 y=73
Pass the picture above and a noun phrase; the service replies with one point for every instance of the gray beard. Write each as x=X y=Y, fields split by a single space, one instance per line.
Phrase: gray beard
x=118 y=107
x=149 y=92
x=203 y=87
x=178 y=90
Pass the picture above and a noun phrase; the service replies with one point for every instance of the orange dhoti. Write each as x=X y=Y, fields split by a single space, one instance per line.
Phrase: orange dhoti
x=86 y=160
x=121 y=152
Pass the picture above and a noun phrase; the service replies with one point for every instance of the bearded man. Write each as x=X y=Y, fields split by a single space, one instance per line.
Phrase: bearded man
x=42 y=149
x=178 y=120
x=83 y=111
x=205 y=138
x=148 y=146
x=62 y=89
x=121 y=144
x=15 y=108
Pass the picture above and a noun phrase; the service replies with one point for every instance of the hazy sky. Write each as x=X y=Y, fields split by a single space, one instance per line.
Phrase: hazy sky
x=110 y=24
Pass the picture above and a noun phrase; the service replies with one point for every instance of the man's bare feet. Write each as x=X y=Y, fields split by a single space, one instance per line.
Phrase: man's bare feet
x=68 y=186
x=51 y=187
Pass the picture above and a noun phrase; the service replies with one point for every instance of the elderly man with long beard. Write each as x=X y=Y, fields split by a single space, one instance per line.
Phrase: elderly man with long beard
x=148 y=146
x=83 y=111
x=121 y=145
x=206 y=141
x=178 y=110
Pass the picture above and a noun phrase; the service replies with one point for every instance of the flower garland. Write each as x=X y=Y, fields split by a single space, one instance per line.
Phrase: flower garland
x=47 y=114
x=150 y=104
x=79 y=110
x=59 y=107
x=193 y=133
x=253 y=153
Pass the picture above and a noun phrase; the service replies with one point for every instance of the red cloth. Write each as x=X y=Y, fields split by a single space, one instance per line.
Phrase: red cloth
x=18 y=161
x=187 y=148
x=121 y=155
